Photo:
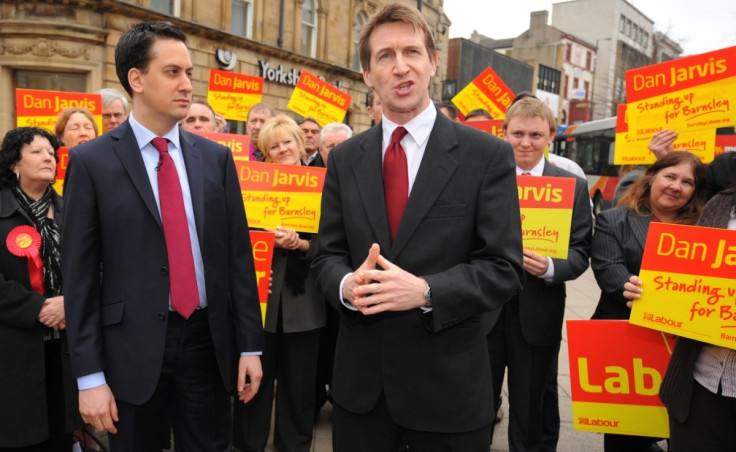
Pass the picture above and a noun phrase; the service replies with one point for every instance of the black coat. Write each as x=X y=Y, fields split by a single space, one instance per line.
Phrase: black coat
x=23 y=414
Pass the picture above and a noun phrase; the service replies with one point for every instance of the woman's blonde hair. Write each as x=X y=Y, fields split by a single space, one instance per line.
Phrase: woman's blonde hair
x=275 y=127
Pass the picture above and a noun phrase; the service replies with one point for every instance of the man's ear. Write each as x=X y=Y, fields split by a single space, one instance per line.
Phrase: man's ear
x=135 y=80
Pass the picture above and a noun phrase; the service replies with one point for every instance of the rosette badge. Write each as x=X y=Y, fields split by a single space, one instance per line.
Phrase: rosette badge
x=25 y=241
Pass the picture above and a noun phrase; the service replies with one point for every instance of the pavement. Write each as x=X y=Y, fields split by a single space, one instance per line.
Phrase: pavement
x=582 y=297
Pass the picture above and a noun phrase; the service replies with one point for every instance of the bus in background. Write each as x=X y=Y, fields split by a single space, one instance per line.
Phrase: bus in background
x=590 y=145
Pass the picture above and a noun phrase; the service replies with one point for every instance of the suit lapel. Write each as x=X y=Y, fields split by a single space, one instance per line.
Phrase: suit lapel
x=193 y=161
x=368 y=174
x=435 y=171
x=126 y=148
x=640 y=227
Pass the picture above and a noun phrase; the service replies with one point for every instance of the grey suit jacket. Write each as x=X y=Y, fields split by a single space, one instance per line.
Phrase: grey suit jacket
x=461 y=231
x=618 y=246
x=115 y=264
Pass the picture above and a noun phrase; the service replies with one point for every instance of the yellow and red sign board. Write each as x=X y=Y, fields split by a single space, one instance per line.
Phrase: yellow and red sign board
x=262 y=244
x=616 y=370
x=314 y=97
x=633 y=149
x=239 y=144
x=685 y=94
x=62 y=161
x=725 y=143
x=232 y=95
x=281 y=195
x=40 y=108
x=486 y=91
x=546 y=213
x=492 y=126
x=688 y=284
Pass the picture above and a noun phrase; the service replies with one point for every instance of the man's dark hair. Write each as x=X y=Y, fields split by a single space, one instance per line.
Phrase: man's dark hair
x=450 y=107
x=482 y=112
x=10 y=152
x=134 y=48
x=522 y=95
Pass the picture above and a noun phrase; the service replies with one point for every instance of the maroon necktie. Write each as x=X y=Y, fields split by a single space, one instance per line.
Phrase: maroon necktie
x=182 y=278
x=395 y=180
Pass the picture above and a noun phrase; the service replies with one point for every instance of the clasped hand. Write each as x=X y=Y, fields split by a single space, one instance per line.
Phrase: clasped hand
x=379 y=285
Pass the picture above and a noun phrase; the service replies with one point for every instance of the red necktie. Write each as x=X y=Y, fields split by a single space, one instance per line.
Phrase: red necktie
x=395 y=180
x=182 y=278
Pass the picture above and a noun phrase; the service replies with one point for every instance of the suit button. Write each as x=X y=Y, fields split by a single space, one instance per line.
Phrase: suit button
x=162 y=316
x=164 y=270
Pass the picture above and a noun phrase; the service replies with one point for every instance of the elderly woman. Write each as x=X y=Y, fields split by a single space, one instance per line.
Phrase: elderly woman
x=75 y=125
x=699 y=388
x=39 y=398
x=671 y=191
x=295 y=314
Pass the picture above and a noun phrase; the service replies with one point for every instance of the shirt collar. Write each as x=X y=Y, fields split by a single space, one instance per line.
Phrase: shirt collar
x=418 y=128
x=144 y=136
x=538 y=169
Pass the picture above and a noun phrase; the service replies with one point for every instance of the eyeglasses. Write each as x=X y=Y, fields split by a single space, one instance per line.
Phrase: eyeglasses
x=108 y=116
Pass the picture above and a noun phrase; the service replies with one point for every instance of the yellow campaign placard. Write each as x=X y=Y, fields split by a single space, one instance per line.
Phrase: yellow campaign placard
x=315 y=97
x=232 y=95
x=631 y=149
x=685 y=94
x=487 y=91
x=688 y=284
x=281 y=195
x=614 y=384
x=239 y=144
x=41 y=108
x=546 y=214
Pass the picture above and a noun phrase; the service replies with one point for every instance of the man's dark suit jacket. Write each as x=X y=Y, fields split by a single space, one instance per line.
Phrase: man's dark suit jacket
x=542 y=303
x=115 y=265
x=461 y=232
x=618 y=246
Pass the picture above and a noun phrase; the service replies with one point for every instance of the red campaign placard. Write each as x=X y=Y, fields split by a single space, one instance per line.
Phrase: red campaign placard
x=324 y=91
x=262 y=244
x=239 y=144
x=36 y=102
x=270 y=177
x=62 y=161
x=230 y=82
x=493 y=86
x=546 y=192
x=492 y=126
x=725 y=143
x=682 y=73
x=613 y=361
x=691 y=250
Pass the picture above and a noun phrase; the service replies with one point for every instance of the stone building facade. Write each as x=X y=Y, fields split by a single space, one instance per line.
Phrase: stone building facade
x=69 y=45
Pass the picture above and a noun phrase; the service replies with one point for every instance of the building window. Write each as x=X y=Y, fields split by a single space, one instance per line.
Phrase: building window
x=170 y=7
x=622 y=24
x=359 y=22
x=646 y=40
x=586 y=86
x=549 y=79
x=628 y=28
x=309 y=27
x=53 y=81
x=565 y=86
x=568 y=52
x=241 y=18
x=588 y=59
x=575 y=82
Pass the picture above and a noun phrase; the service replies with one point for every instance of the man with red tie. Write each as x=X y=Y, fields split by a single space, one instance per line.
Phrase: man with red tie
x=162 y=309
x=419 y=235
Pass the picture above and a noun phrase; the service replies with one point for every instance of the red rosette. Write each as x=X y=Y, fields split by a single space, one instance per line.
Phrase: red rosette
x=25 y=241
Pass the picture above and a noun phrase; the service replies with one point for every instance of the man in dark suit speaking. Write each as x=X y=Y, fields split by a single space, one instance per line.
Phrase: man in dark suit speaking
x=420 y=233
x=162 y=299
